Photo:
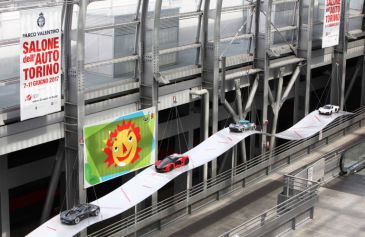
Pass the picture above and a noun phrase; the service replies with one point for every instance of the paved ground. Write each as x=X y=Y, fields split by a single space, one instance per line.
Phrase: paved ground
x=345 y=207
x=340 y=211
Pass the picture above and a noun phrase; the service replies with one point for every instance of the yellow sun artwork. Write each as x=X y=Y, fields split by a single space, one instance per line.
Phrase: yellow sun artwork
x=122 y=146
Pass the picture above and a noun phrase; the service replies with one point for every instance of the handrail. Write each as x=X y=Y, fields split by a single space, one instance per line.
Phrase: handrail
x=225 y=176
x=275 y=212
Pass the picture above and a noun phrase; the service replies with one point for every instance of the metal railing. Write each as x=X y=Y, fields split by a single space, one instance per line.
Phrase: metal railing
x=303 y=192
x=213 y=186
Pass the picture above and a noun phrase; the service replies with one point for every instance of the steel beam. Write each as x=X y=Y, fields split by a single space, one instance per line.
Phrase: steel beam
x=242 y=144
x=267 y=6
x=251 y=96
x=339 y=61
x=362 y=99
x=205 y=124
x=4 y=198
x=223 y=100
x=353 y=79
x=149 y=64
x=276 y=110
x=74 y=113
x=210 y=64
x=54 y=182
x=290 y=84
x=198 y=31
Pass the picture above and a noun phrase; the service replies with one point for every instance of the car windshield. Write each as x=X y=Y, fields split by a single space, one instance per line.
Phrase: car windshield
x=327 y=107
x=166 y=161
x=244 y=121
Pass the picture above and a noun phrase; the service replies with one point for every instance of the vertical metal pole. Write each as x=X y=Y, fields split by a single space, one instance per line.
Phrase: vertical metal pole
x=339 y=63
x=259 y=57
x=54 y=182
x=308 y=54
x=251 y=96
x=80 y=48
x=74 y=118
x=297 y=19
x=353 y=80
x=136 y=39
x=198 y=32
x=242 y=144
x=4 y=198
x=362 y=99
x=189 y=176
x=276 y=115
x=234 y=163
x=268 y=8
x=205 y=125
x=149 y=65
x=223 y=79
x=210 y=64
x=277 y=108
x=215 y=96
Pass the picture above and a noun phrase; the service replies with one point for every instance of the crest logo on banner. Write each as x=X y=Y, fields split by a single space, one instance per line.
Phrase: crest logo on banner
x=41 y=21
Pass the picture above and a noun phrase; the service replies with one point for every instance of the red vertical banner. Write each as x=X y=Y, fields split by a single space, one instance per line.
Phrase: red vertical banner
x=40 y=62
x=331 y=23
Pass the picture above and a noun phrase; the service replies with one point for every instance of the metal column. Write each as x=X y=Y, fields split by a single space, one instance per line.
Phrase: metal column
x=304 y=51
x=205 y=125
x=362 y=99
x=149 y=64
x=339 y=61
x=4 y=198
x=276 y=109
x=210 y=65
x=54 y=182
x=74 y=116
x=263 y=61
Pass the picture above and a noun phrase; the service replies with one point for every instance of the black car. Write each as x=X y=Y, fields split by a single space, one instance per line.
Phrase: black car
x=78 y=213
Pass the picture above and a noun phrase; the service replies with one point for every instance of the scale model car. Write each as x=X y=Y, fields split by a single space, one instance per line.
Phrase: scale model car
x=241 y=126
x=329 y=109
x=171 y=162
x=78 y=213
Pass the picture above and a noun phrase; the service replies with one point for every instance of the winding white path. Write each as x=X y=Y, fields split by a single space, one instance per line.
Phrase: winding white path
x=148 y=181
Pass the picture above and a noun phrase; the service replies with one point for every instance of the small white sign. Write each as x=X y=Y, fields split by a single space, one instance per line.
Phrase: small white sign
x=331 y=23
x=40 y=62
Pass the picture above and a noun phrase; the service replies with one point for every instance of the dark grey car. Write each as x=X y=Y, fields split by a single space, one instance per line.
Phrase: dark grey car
x=78 y=213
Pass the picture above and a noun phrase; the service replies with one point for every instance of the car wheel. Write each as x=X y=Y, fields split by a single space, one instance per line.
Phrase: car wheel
x=77 y=220
x=186 y=161
x=96 y=212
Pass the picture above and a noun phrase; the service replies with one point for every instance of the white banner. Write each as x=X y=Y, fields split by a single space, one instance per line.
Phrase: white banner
x=40 y=62
x=331 y=23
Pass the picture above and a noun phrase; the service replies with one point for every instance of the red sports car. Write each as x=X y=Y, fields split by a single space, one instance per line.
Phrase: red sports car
x=171 y=162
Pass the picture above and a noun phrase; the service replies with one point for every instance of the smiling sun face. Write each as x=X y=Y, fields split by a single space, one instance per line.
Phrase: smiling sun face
x=122 y=145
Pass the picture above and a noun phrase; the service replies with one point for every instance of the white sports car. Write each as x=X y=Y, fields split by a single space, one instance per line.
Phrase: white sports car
x=329 y=109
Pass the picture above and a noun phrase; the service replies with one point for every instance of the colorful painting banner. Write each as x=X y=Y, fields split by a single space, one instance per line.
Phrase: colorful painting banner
x=117 y=147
